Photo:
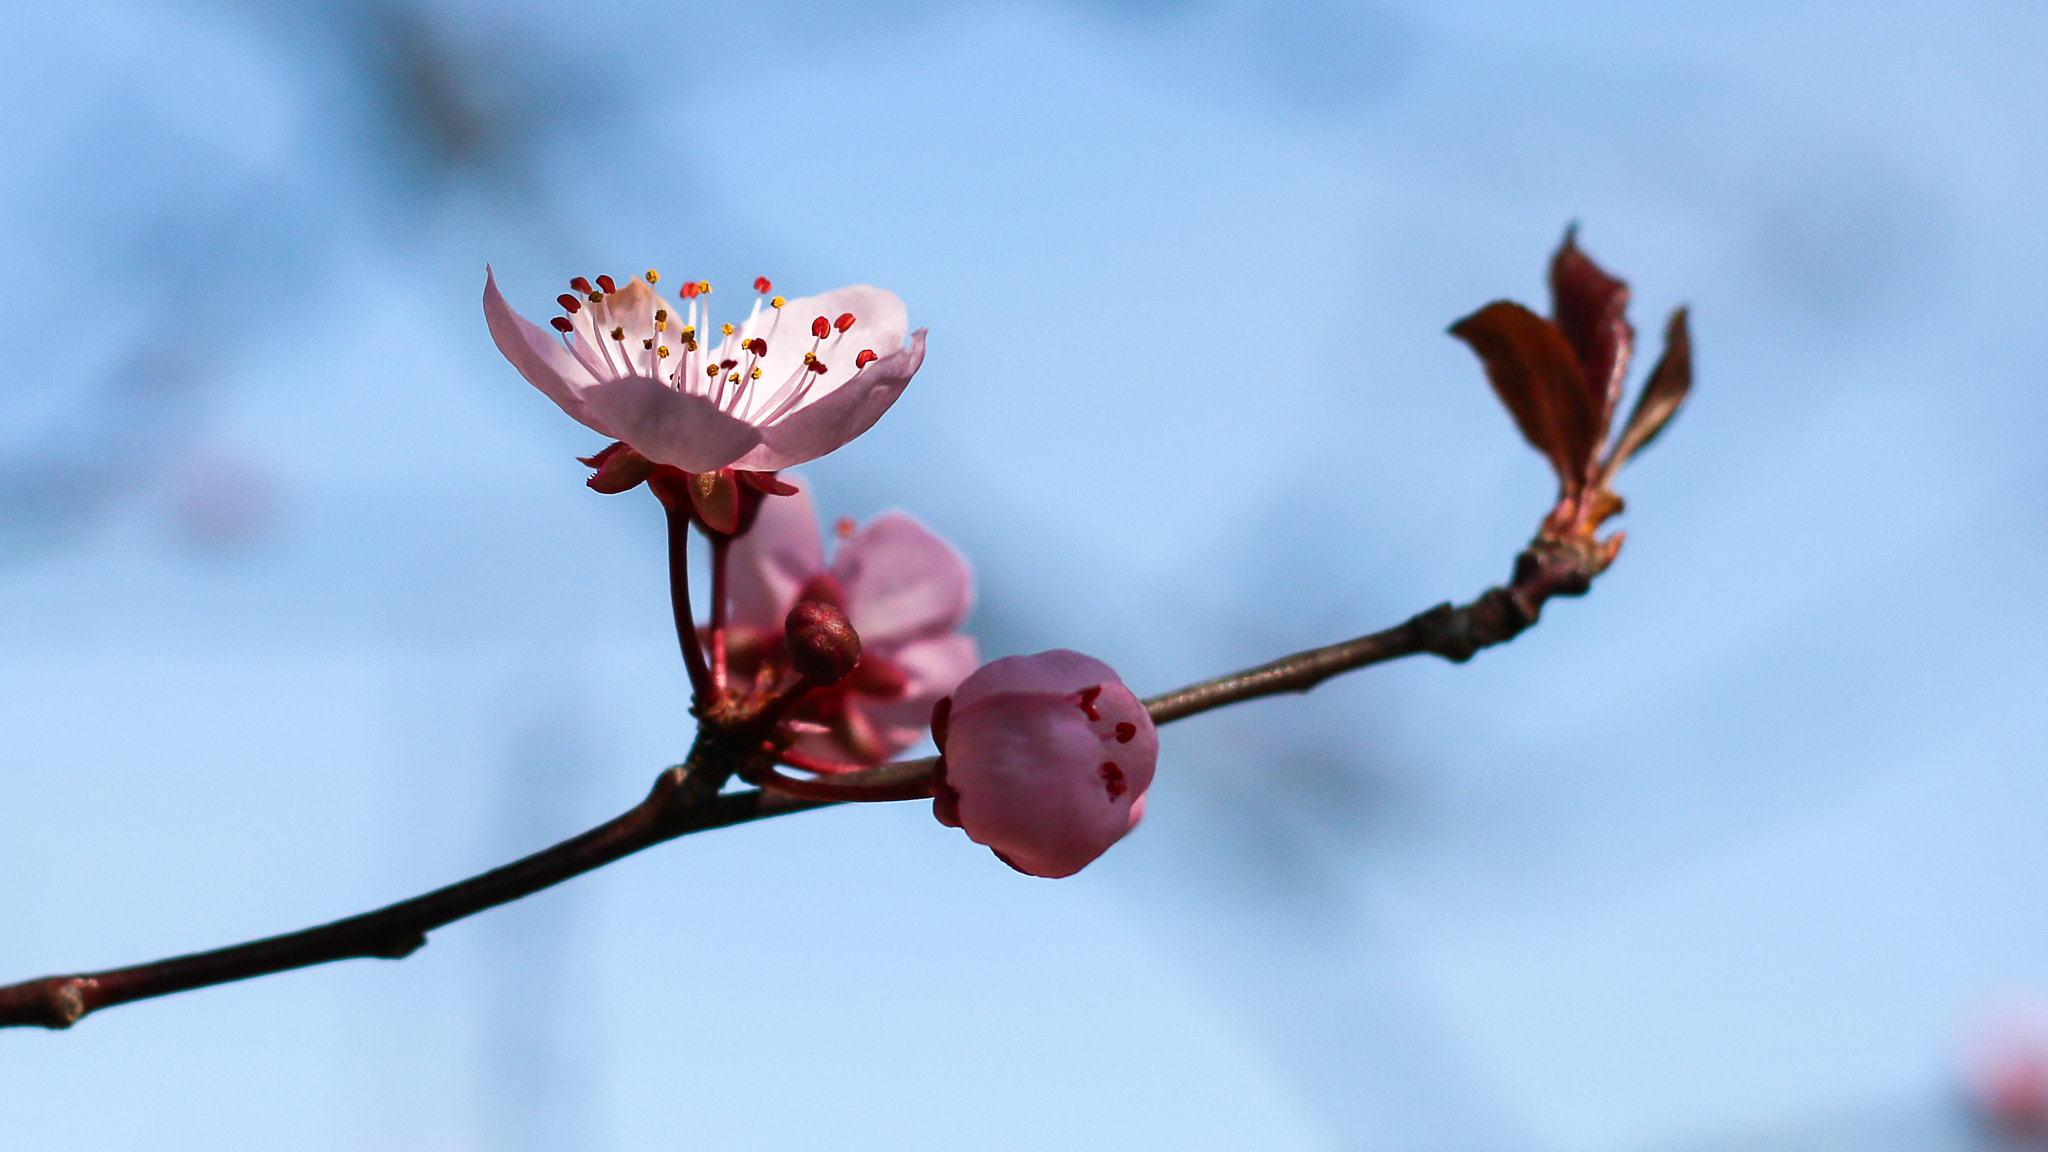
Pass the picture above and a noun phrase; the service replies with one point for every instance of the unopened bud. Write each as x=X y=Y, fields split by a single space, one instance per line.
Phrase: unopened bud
x=822 y=644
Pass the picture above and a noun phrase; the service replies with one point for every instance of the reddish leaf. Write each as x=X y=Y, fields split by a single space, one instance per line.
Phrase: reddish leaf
x=1536 y=374
x=1666 y=390
x=1591 y=308
x=619 y=469
x=766 y=483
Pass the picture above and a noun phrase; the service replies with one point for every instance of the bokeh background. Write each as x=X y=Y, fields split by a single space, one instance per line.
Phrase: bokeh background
x=307 y=608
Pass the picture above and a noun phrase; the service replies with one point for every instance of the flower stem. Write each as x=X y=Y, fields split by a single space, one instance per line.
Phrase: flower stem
x=679 y=601
x=721 y=546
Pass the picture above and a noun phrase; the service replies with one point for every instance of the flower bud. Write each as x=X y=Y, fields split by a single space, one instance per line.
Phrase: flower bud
x=822 y=645
x=1045 y=760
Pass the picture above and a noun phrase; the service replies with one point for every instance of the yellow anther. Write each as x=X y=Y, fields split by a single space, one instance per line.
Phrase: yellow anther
x=711 y=370
x=704 y=287
x=661 y=325
x=725 y=328
x=689 y=345
x=689 y=332
x=596 y=297
x=653 y=277
x=662 y=351
x=777 y=302
x=756 y=373
x=810 y=357
x=733 y=379
x=660 y=315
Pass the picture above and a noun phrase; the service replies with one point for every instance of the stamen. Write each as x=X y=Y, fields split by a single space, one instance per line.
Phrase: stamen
x=757 y=346
x=725 y=328
x=562 y=324
x=755 y=374
x=653 y=277
x=1087 y=700
x=777 y=302
x=605 y=282
x=704 y=286
x=1124 y=731
x=596 y=297
x=762 y=285
x=818 y=366
x=661 y=315
x=1113 y=779
x=647 y=343
x=821 y=328
x=569 y=303
x=844 y=322
x=689 y=290
x=581 y=285
x=619 y=334
x=867 y=356
x=662 y=351
x=810 y=357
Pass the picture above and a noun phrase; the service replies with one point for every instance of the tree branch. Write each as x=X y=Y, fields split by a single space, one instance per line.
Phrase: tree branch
x=690 y=798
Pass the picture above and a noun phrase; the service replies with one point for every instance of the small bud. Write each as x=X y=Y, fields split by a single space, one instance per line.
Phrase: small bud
x=822 y=645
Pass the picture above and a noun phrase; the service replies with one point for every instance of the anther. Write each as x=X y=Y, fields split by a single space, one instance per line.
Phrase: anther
x=725 y=328
x=1113 y=779
x=844 y=322
x=756 y=373
x=728 y=363
x=821 y=327
x=810 y=357
x=605 y=282
x=1087 y=700
x=689 y=332
x=570 y=303
x=619 y=334
x=761 y=284
x=733 y=379
x=867 y=356
x=711 y=370
x=596 y=297
x=704 y=286
x=1124 y=731
x=818 y=366
x=653 y=277
x=562 y=324
x=777 y=302
x=581 y=285
x=757 y=346
x=660 y=314
x=689 y=290
x=662 y=351
x=647 y=343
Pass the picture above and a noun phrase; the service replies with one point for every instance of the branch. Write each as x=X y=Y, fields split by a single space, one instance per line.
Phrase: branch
x=690 y=798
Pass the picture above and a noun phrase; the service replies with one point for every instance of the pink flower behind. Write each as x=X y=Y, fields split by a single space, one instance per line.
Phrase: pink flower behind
x=905 y=591
x=1046 y=760
x=785 y=385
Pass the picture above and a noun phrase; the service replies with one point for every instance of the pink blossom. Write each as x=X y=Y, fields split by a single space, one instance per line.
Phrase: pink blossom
x=905 y=590
x=787 y=384
x=1045 y=759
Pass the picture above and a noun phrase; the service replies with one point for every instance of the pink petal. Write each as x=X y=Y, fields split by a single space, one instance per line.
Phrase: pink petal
x=1058 y=672
x=828 y=419
x=774 y=559
x=1028 y=773
x=539 y=357
x=902 y=582
x=667 y=426
x=936 y=666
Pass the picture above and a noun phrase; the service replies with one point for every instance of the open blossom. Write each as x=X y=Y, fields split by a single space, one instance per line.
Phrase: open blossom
x=904 y=590
x=787 y=384
x=1045 y=759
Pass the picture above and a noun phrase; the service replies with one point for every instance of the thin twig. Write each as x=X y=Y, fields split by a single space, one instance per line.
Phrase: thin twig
x=689 y=798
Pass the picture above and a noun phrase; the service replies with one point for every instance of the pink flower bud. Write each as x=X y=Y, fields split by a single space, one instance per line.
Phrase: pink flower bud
x=822 y=645
x=1045 y=759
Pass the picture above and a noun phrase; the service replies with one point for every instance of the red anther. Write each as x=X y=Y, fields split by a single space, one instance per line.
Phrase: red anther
x=1124 y=731
x=569 y=303
x=690 y=289
x=1113 y=779
x=867 y=356
x=757 y=346
x=761 y=284
x=581 y=285
x=728 y=363
x=817 y=366
x=605 y=284
x=821 y=328
x=562 y=324
x=1087 y=700
x=844 y=322
x=843 y=527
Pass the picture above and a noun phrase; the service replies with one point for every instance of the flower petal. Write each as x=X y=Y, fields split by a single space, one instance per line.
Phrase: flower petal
x=902 y=582
x=1034 y=783
x=540 y=358
x=774 y=559
x=935 y=666
x=1057 y=671
x=667 y=426
x=836 y=411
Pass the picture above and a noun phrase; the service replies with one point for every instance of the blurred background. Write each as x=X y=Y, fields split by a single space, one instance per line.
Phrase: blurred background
x=307 y=608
